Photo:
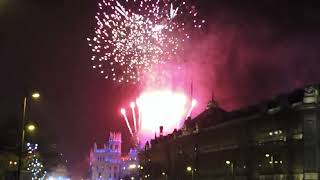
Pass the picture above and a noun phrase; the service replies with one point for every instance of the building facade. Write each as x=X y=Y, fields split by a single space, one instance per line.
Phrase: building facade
x=130 y=166
x=107 y=163
x=277 y=139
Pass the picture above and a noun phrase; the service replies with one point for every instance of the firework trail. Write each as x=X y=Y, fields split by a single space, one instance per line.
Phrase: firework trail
x=123 y=112
x=131 y=37
x=158 y=108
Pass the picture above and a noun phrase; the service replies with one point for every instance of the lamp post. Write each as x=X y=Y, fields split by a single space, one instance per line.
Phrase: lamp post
x=190 y=169
x=165 y=175
x=271 y=161
x=231 y=167
x=30 y=127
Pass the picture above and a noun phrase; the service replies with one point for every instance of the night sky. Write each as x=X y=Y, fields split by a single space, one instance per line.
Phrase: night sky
x=255 y=50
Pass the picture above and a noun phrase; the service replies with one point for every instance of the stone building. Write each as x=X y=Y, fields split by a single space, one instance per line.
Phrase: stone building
x=277 y=139
x=105 y=163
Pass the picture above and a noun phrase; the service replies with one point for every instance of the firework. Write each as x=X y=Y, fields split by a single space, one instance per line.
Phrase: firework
x=131 y=37
x=158 y=108
x=132 y=105
x=193 y=104
x=123 y=112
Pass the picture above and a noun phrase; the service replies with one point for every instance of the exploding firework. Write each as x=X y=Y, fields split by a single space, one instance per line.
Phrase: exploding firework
x=157 y=108
x=131 y=37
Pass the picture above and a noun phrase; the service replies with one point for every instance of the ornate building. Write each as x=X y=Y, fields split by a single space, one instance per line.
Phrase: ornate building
x=276 y=139
x=105 y=163
x=108 y=164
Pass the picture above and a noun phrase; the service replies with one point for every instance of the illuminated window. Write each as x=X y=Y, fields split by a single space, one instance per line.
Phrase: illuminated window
x=297 y=136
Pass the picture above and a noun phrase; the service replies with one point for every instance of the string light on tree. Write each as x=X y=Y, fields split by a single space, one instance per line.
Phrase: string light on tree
x=34 y=164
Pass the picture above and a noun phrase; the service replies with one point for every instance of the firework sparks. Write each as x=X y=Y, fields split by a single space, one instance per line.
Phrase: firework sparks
x=193 y=104
x=159 y=108
x=131 y=37
x=132 y=105
x=123 y=112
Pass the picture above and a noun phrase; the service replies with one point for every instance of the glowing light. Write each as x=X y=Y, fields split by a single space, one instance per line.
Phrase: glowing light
x=267 y=155
x=58 y=178
x=35 y=95
x=161 y=108
x=131 y=37
x=123 y=111
x=31 y=127
x=132 y=166
x=34 y=164
x=193 y=104
x=189 y=168
x=158 y=108
x=132 y=105
x=139 y=113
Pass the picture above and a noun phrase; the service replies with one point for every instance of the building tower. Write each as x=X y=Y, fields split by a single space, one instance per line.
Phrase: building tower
x=310 y=110
x=105 y=162
x=115 y=142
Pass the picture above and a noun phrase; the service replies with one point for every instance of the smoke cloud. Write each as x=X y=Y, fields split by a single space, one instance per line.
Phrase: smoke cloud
x=240 y=64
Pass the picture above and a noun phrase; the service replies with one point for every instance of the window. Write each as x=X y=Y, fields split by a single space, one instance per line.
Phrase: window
x=116 y=147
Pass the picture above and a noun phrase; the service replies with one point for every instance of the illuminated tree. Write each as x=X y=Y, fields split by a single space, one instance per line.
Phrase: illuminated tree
x=34 y=164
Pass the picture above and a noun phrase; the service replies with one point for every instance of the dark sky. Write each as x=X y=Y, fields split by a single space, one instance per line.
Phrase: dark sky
x=43 y=46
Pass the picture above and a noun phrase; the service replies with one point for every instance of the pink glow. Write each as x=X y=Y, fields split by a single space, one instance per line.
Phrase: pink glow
x=193 y=103
x=161 y=108
x=157 y=108
x=123 y=111
x=132 y=105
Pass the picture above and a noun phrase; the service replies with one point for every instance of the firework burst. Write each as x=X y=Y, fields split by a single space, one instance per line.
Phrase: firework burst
x=153 y=109
x=132 y=36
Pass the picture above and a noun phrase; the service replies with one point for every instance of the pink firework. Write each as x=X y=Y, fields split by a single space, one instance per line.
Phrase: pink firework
x=131 y=37
x=158 y=108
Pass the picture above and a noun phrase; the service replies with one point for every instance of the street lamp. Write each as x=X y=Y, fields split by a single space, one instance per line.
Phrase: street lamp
x=30 y=128
x=190 y=169
x=231 y=167
x=271 y=160
x=35 y=95
x=165 y=175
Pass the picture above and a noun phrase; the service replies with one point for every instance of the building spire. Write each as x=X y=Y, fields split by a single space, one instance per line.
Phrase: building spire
x=95 y=146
